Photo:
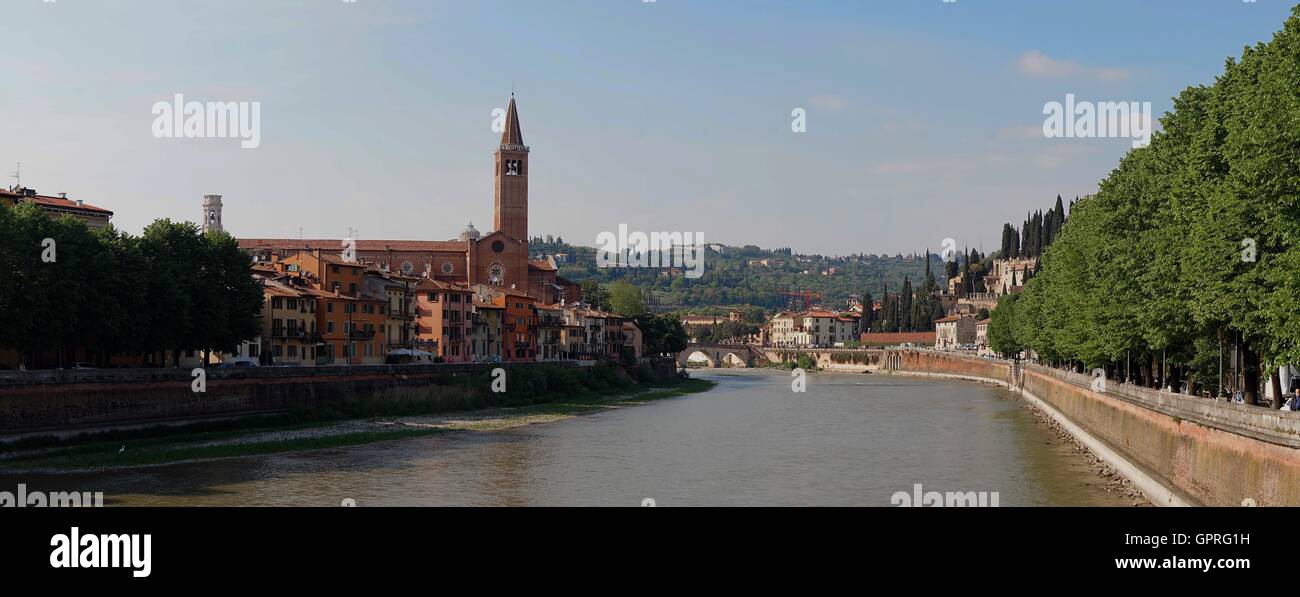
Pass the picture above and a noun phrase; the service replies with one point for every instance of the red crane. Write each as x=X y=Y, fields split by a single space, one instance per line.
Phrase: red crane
x=806 y=296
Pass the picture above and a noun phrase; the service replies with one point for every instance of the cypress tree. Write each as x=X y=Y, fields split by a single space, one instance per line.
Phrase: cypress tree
x=905 y=306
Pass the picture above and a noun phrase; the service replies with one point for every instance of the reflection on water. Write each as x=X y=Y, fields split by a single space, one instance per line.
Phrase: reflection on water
x=850 y=440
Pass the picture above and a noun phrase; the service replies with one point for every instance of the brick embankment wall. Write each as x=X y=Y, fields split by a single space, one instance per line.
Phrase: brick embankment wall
x=1203 y=463
x=955 y=365
x=1212 y=466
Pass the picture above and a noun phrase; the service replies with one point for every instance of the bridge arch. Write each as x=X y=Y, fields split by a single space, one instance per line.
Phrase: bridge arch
x=718 y=356
x=686 y=358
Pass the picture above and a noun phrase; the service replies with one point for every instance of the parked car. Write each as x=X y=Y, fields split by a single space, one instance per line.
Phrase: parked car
x=233 y=364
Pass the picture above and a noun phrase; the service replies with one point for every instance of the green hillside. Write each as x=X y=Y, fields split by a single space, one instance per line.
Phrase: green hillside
x=737 y=276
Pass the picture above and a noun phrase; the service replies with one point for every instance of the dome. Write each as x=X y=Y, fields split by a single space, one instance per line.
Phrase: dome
x=469 y=233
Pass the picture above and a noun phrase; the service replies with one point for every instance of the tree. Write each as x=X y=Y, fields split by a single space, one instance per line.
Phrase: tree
x=661 y=334
x=625 y=299
x=109 y=292
x=1001 y=333
x=594 y=295
x=1188 y=245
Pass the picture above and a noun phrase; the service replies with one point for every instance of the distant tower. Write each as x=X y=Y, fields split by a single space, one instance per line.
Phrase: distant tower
x=511 y=178
x=212 y=213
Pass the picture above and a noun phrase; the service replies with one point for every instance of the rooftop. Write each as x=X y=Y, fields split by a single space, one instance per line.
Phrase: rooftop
x=54 y=202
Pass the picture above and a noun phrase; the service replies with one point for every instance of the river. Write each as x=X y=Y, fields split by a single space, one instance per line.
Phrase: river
x=849 y=440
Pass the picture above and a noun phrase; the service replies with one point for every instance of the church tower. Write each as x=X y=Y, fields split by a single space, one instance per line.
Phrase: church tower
x=212 y=213
x=511 y=179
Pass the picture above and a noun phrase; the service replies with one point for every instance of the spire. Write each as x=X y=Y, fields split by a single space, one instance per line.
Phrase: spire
x=512 y=135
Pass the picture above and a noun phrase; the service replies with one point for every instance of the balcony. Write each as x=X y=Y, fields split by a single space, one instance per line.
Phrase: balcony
x=362 y=335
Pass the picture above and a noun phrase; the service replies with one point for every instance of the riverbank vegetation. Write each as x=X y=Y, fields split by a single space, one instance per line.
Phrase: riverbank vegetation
x=793 y=360
x=400 y=414
x=1189 y=247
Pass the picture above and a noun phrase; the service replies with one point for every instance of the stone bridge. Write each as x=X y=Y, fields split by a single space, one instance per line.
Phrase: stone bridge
x=832 y=359
x=845 y=359
x=717 y=355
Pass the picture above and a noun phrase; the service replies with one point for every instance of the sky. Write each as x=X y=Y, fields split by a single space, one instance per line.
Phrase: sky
x=923 y=118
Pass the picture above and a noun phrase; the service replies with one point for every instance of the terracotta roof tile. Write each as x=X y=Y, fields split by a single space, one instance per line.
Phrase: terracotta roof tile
x=307 y=244
x=58 y=202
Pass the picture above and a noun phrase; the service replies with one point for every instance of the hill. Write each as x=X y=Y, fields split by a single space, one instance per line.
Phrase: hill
x=747 y=275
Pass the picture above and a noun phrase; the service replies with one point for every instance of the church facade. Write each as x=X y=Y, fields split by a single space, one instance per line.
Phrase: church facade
x=498 y=259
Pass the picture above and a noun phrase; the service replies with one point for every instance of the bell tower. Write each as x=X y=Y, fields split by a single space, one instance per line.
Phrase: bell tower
x=511 y=179
x=212 y=213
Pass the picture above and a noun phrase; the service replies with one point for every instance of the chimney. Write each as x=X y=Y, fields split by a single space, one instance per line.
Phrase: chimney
x=80 y=203
x=63 y=195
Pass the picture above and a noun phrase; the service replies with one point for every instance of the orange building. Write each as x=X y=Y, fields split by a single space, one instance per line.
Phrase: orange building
x=520 y=321
x=443 y=320
x=349 y=322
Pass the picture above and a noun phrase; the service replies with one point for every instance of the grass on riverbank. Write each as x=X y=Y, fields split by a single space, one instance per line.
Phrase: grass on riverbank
x=206 y=441
x=163 y=451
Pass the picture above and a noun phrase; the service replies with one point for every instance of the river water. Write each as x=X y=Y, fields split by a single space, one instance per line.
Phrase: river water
x=849 y=440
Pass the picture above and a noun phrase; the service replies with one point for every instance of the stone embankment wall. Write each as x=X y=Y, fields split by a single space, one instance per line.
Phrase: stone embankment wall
x=1202 y=451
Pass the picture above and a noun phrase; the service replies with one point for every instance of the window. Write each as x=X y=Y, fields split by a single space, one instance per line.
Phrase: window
x=512 y=167
x=433 y=297
x=455 y=298
x=329 y=307
x=329 y=327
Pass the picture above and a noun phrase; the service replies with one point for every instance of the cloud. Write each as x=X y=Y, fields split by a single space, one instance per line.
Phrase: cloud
x=1035 y=63
x=829 y=101
x=1021 y=132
